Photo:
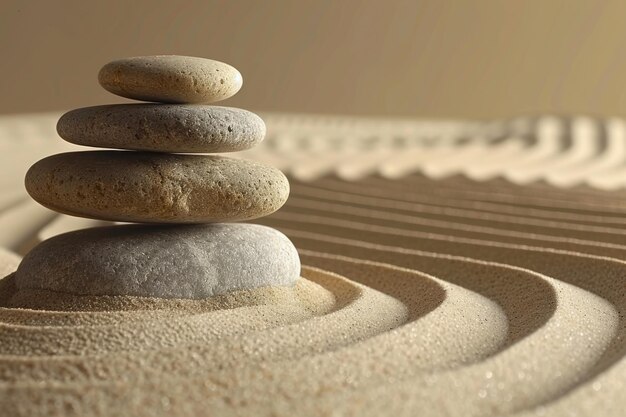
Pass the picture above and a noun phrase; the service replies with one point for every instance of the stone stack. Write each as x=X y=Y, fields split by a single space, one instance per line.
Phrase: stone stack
x=186 y=251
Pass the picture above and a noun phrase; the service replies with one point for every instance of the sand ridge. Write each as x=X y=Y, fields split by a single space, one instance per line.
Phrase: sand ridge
x=480 y=299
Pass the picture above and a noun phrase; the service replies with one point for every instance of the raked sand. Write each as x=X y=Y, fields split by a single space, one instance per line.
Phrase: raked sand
x=418 y=297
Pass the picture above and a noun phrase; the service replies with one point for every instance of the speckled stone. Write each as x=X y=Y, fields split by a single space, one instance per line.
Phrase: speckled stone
x=170 y=79
x=156 y=187
x=190 y=261
x=163 y=127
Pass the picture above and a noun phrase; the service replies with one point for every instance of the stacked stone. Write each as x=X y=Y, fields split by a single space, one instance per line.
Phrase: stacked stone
x=187 y=252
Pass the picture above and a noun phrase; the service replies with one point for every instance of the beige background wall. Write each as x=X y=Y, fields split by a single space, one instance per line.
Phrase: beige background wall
x=469 y=58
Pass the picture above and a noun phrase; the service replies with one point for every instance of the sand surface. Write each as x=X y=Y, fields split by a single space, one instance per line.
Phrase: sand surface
x=427 y=294
x=418 y=297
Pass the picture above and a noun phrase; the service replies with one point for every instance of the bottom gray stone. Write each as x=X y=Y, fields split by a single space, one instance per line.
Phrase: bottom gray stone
x=164 y=261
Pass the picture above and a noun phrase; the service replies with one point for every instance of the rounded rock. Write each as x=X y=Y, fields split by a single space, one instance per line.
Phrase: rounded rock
x=170 y=79
x=163 y=128
x=190 y=261
x=156 y=187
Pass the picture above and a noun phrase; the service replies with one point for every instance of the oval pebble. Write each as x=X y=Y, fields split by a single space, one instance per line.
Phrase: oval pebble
x=190 y=261
x=156 y=187
x=163 y=128
x=170 y=79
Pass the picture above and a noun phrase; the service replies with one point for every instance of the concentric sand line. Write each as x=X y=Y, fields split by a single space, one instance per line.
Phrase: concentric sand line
x=420 y=296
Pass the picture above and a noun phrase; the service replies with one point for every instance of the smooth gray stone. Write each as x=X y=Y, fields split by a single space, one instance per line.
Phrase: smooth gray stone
x=170 y=79
x=189 y=261
x=163 y=127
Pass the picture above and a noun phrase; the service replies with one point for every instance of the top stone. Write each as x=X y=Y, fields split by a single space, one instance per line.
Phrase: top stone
x=170 y=79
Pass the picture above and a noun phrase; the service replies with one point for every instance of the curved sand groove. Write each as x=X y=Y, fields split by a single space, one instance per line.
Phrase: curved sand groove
x=496 y=191
x=380 y=313
x=464 y=338
x=536 y=195
x=347 y=214
x=137 y=332
x=332 y=368
x=608 y=283
x=588 y=334
x=422 y=297
x=565 y=233
x=516 y=228
x=426 y=200
x=522 y=295
x=458 y=196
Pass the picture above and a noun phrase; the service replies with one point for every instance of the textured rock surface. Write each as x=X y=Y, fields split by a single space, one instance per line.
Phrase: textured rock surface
x=191 y=261
x=170 y=79
x=156 y=187
x=163 y=127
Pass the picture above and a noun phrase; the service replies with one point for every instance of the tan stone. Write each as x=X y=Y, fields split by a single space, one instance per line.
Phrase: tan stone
x=156 y=187
x=170 y=79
